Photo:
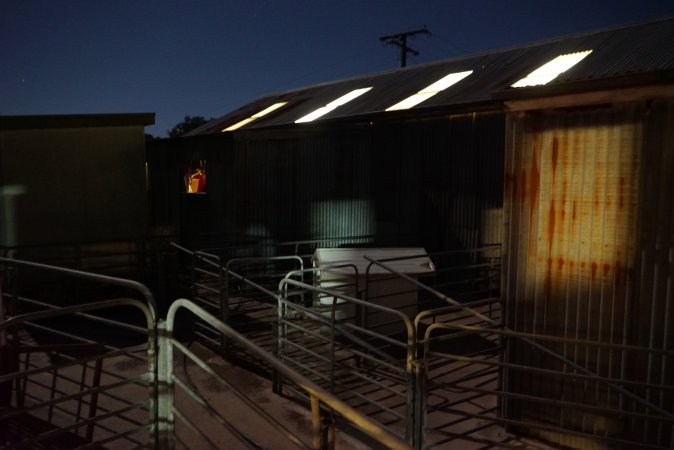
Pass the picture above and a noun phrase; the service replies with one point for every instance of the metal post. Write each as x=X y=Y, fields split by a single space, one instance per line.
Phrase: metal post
x=164 y=420
x=415 y=404
x=276 y=342
x=315 y=423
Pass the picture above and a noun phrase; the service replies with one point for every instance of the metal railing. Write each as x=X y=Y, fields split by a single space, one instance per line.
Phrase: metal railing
x=451 y=375
x=91 y=387
x=357 y=348
x=328 y=342
x=323 y=404
x=492 y=404
x=72 y=391
x=247 y=247
x=245 y=299
x=484 y=384
x=75 y=375
x=137 y=257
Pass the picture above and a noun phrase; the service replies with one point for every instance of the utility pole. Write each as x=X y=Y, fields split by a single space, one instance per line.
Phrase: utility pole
x=400 y=40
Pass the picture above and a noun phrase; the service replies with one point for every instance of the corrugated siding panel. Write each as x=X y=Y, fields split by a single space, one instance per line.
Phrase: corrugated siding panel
x=292 y=188
x=578 y=201
x=443 y=178
x=652 y=316
x=436 y=183
x=573 y=191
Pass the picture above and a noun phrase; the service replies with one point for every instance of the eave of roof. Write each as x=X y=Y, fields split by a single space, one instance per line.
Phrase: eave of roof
x=75 y=121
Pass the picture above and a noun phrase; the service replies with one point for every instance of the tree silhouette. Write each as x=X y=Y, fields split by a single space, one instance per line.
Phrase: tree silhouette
x=188 y=124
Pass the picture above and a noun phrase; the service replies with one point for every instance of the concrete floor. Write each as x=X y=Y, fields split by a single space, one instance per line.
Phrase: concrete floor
x=250 y=426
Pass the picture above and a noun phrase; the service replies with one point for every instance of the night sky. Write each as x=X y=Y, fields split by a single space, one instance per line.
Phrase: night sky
x=209 y=57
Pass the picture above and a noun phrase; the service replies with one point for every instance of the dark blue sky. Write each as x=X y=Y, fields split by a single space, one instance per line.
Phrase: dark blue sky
x=208 y=57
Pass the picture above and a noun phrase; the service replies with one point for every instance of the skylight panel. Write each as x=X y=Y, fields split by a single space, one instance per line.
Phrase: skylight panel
x=255 y=116
x=552 y=69
x=430 y=90
x=323 y=110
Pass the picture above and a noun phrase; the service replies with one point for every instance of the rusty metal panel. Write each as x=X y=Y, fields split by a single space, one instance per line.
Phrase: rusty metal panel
x=587 y=255
x=571 y=187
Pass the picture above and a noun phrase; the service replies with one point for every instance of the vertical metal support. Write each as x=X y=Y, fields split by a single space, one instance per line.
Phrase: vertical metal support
x=333 y=337
x=193 y=276
x=277 y=325
x=93 y=405
x=328 y=433
x=322 y=431
x=164 y=420
x=52 y=393
x=315 y=423
x=415 y=431
x=223 y=278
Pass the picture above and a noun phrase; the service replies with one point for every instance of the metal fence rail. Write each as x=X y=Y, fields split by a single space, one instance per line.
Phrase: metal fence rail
x=245 y=299
x=437 y=372
x=328 y=343
x=323 y=404
x=73 y=377
x=453 y=374
x=262 y=247
x=501 y=409
x=73 y=392
x=360 y=349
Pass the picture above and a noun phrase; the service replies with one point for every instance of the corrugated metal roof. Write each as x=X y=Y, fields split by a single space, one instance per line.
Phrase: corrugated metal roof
x=643 y=48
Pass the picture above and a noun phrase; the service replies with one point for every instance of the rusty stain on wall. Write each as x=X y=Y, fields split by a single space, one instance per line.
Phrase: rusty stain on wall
x=589 y=256
x=578 y=185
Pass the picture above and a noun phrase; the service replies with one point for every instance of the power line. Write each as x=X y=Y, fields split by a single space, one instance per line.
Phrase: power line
x=451 y=45
x=400 y=41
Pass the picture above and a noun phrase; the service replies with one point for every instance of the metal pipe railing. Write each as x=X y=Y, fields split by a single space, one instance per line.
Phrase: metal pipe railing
x=465 y=383
x=317 y=394
x=103 y=279
x=349 y=330
x=60 y=396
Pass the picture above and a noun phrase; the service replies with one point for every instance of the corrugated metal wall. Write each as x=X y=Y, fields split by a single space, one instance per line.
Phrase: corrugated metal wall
x=587 y=251
x=652 y=312
x=449 y=176
x=434 y=182
x=293 y=187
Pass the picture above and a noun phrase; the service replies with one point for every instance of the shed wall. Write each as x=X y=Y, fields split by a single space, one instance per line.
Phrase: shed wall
x=434 y=182
x=72 y=185
x=588 y=252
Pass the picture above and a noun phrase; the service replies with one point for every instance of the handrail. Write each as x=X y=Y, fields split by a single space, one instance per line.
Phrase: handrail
x=259 y=259
x=411 y=335
x=50 y=313
x=288 y=243
x=326 y=268
x=122 y=282
x=528 y=338
x=214 y=260
x=439 y=295
x=507 y=332
x=316 y=393
x=80 y=310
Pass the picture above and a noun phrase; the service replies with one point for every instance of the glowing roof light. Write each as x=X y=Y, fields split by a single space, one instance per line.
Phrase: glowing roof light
x=255 y=116
x=551 y=70
x=430 y=91
x=333 y=105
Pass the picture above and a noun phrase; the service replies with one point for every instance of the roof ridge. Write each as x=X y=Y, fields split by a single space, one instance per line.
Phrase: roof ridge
x=480 y=53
